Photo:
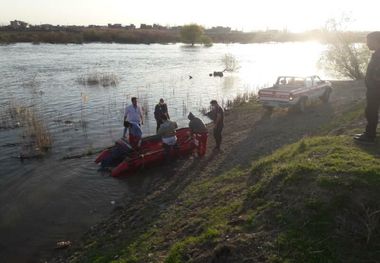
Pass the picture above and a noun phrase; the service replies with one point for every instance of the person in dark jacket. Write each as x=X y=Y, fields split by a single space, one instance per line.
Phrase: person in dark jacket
x=199 y=133
x=372 y=81
x=160 y=110
x=217 y=114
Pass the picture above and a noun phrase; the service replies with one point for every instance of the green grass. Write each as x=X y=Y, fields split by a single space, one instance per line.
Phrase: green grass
x=348 y=117
x=315 y=201
x=177 y=251
x=321 y=196
x=197 y=222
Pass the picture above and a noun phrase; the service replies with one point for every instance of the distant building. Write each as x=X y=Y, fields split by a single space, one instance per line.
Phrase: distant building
x=272 y=31
x=145 y=26
x=175 y=28
x=219 y=30
x=130 y=27
x=72 y=28
x=158 y=27
x=17 y=24
x=114 y=26
x=46 y=27
x=97 y=27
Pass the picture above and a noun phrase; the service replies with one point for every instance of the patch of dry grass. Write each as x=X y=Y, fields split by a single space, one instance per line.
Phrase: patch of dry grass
x=228 y=104
x=241 y=98
x=105 y=79
x=36 y=135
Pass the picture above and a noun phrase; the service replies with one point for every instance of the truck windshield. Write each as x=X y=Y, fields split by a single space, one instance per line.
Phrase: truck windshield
x=290 y=81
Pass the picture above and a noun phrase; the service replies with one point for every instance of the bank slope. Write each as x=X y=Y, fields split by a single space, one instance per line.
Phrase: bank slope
x=317 y=200
x=314 y=201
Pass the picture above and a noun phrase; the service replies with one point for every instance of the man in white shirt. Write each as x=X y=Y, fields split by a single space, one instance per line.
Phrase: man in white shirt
x=133 y=113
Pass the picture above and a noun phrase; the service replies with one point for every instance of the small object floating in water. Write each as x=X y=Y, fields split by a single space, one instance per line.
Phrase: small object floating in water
x=113 y=202
x=190 y=77
x=63 y=244
x=68 y=122
x=218 y=73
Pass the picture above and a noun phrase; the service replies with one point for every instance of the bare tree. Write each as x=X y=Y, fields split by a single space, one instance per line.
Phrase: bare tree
x=343 y=56
x=230 y=63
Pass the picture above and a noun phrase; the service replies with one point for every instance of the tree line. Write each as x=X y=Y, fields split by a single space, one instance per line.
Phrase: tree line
x=191 y=34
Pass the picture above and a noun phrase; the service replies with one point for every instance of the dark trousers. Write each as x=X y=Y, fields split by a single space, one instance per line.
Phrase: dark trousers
x=159 y=122
x=201 y=138
x=126 y=129
x=167 y=151
x=218 y=136
x=372 y=111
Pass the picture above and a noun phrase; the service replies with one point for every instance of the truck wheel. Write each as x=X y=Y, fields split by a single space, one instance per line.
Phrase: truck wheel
x=326 y=95
x=301 y=106
x=268 y=109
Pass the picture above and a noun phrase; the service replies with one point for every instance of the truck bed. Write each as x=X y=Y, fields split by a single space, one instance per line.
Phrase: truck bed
x=283 y=88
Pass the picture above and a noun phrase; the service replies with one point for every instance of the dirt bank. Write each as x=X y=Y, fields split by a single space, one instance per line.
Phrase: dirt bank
x=249 y=134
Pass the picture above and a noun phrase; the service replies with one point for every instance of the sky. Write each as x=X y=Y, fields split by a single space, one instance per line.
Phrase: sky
x=293 y=15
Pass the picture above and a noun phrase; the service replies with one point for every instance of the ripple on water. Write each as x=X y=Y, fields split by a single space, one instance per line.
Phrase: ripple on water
x=42 y=201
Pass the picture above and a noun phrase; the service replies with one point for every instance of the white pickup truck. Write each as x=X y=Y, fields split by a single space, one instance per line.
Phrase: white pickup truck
x=295 y=92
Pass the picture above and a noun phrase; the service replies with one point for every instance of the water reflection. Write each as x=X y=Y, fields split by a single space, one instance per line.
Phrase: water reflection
x=229 y=82
x=49 y=199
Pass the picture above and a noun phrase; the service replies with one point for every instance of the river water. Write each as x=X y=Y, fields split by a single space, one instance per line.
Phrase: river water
x=52 y=198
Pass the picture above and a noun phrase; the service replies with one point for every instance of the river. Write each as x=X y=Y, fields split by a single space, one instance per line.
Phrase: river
x=53 y=198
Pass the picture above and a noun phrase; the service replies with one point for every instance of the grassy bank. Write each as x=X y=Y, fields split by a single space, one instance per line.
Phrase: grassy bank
x=315 y=200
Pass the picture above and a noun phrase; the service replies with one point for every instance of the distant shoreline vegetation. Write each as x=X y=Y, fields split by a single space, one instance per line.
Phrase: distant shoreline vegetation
x=20 y=32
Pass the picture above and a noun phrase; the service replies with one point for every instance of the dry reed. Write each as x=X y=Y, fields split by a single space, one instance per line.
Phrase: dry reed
x=105 y=79
x=36 y=133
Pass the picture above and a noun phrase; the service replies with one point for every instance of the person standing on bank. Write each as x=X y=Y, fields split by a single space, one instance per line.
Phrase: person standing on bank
x=372 y=81
x=218 y=118
x=160 y=110
x=133 y=113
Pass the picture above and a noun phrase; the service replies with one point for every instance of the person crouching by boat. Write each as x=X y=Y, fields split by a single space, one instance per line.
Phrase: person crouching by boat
x=199 y=133
x=118 y=153
x=167 y=131
x=135 y=134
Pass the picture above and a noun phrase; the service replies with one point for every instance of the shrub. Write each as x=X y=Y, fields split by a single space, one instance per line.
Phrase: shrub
x=230 y=63
x=343 y=56
x=191 y=34
x=206 y=40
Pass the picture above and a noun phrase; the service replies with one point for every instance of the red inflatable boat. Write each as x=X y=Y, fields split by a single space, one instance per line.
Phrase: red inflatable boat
x=151 y=153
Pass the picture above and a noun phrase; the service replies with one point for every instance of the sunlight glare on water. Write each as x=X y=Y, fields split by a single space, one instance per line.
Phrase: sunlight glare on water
x=42 y=201
x=265 y=62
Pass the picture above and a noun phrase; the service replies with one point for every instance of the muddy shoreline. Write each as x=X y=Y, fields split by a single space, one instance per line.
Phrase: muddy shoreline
x=249 y=134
